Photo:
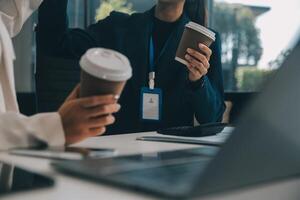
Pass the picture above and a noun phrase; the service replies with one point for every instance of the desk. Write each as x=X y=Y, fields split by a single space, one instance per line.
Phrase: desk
x=73 y=188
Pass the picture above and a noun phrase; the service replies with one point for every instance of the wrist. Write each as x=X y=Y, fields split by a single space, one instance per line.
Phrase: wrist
x=198 y=84
x=193 y=79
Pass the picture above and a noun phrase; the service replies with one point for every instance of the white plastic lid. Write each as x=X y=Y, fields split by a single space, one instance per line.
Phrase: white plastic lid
x=201 y=29
x=106 y=64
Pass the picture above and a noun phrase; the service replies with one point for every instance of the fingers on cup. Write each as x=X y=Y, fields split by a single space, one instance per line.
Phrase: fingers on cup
x=101 y=121
x=203 y=70
x=188 y=58
x=77 y=89
x=97 y=101
x=193 y=61
x=206 y=50
x=193 y=70
x=74 y=94
x=104 y=110
x=97 y=131
x=199 y=56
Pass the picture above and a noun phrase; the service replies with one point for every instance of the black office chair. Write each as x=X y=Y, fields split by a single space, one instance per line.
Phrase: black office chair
x=55 y=79
x=27 y=103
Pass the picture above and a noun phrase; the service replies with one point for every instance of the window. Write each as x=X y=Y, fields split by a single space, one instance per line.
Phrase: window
x=83 y=13
x=24 y=64
x=256 y=37
x=255 y=34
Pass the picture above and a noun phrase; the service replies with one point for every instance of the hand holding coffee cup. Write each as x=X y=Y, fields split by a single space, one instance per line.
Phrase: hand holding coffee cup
x=193 y=50
x=86 y=117
x=198 y=62
x=90 y=107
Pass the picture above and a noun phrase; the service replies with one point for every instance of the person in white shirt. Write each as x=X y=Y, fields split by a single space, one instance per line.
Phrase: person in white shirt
x=77 y=119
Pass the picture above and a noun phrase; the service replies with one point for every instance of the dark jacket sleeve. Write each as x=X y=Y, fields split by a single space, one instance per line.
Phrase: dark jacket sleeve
x=55 y=38
x=208 y=93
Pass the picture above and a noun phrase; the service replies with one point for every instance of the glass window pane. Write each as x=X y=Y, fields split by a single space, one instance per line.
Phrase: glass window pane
x=94 y=10
x=104 y=7
x=76 y=13
x=256 y=38
x=256 y=34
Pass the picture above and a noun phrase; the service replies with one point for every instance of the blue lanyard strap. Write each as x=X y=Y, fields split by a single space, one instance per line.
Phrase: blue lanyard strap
x=151 y=64
x=152 y=61
x=152 y=55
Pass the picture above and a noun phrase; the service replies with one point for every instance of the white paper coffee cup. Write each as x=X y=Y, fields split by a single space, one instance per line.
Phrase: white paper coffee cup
x=104 y=71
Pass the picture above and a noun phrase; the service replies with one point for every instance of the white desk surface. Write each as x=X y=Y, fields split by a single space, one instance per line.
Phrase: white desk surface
x=73 y=188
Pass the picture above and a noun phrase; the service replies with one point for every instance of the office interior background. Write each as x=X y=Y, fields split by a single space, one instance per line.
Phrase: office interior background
x=248 y=29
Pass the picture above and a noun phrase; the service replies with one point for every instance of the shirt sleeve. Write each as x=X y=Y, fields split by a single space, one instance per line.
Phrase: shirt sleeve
x=56 y=38
x=19 y=131
x=207 y=94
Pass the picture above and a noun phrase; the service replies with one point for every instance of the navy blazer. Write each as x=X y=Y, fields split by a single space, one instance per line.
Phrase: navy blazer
x=130 y=34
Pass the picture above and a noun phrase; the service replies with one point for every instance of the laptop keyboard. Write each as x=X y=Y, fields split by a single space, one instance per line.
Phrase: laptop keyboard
x=168 y=173
x=179 y=177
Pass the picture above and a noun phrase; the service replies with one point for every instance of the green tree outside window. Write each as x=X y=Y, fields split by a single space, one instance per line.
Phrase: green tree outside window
x=107 y=6
x=240 y=40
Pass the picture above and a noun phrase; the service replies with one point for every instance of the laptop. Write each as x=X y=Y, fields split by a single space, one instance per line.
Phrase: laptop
x=263 y=148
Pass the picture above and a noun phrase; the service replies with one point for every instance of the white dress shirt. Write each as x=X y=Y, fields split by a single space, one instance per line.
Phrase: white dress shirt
x=17 y=130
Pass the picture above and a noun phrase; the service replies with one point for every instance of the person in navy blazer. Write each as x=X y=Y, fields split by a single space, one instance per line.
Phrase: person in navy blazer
x=188 y=91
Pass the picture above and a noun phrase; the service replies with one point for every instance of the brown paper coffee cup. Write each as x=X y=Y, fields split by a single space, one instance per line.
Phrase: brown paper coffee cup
x=192 y=36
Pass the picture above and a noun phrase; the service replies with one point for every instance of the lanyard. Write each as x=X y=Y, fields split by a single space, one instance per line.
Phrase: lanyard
x=153 y=62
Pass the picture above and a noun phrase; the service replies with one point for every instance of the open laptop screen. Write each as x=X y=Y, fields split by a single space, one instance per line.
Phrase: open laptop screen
x=266 y=144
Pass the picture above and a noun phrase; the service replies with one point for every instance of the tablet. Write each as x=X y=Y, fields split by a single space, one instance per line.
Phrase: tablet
x=14 y=179
x=64 y=153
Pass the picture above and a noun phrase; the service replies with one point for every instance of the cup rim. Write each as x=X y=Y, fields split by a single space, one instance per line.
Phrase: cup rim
x=201 y=29
x=94 y=69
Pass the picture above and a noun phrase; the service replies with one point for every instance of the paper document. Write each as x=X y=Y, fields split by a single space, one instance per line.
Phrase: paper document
x=216 y=140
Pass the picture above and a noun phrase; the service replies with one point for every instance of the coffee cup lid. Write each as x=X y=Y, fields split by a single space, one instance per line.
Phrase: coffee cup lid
x=202 y=29
x=106 y=64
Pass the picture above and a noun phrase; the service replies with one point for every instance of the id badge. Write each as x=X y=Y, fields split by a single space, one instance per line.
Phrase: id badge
x=151 y=104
